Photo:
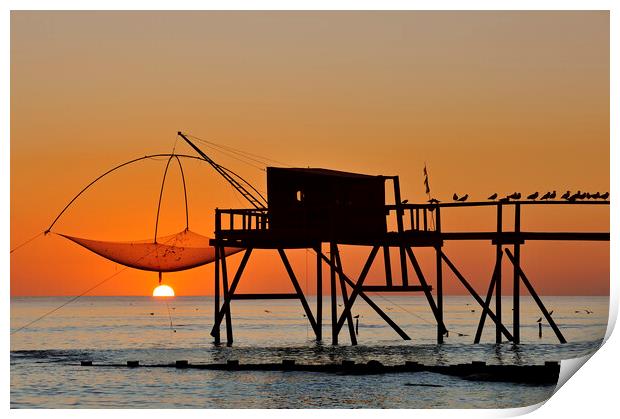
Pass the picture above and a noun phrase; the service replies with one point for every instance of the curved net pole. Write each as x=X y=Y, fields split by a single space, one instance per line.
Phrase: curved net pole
x=161 y=195
x=184 y=193
x=150 y=156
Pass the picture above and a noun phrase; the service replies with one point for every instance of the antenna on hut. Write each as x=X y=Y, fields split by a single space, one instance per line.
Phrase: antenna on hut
x=258 y=201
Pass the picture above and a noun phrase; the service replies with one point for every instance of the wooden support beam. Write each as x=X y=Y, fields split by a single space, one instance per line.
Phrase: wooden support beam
x=298 y=289
x=394 y=288
x=498 y=277
x=345 y=299
x=229 y=333
x=215 y=332
x=487 y=300
x=267 y=296
x=427 y=292
x=388 y=265
x=332 y=278
x=369 y=301
x=474 y=294
x=441 y=330
x=357 y=288
x=319 y=296
x=516 y=304
x=534 y=295
x=219 y=315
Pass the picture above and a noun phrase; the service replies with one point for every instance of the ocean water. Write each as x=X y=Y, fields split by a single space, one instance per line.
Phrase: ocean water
x=46 y=372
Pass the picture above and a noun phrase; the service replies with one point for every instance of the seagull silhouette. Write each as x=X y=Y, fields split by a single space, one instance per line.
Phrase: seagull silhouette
x=493 y=197
x=566 y=195
x=545 y=196
x=605 y=196
x=405 y=201
x=433 y=201
x=596 y=195
x=575 y=196
x=463 y=198
x=505 y=199
x=551 y=312
x=455 y=197
x=552 y=196
x=533 y=196
x=539 y=320
x=356 y=317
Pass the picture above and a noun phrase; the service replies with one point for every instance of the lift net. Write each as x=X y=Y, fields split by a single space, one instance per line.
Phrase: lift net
x=172 y=253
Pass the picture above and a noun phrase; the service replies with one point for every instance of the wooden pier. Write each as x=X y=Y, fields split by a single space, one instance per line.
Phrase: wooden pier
x=319 y=209
x=249 y=229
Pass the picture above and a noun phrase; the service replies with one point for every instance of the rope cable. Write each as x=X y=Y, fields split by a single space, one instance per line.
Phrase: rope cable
x=19 y=246
x=151 y=156
x=231 y=149
x=83 y=293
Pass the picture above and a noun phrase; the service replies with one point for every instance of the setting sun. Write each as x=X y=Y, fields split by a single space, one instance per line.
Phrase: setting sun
x=163 y=291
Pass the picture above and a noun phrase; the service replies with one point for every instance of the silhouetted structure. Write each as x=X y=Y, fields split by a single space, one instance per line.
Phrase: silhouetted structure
x=317 y=208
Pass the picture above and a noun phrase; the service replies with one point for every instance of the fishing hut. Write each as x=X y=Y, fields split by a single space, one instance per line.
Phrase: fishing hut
x=313 y=208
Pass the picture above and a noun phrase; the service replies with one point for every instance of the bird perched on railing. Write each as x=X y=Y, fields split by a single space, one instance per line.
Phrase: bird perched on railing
x=545 y=196
x=433 y=201
x=566 y=195
x=552 y=196
x=516 y=195
x=455 y=197
x=492 y=197
x=504 y=199
x=605 y=195
x=464 y=198
x=533 y=196
x=575 y=196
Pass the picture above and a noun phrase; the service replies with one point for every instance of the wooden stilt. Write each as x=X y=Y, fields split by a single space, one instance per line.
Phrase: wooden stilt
x=219 y=316
x=537 y=299
x=345 y=300
x=474 y=294
x=368 y=300
x=332 y=278
x=357 y=288
x=441 y=330
x=216 y=297
x=298 y=289
x=498 y=277
x=487 y=300
x=516 y=305
x=229 y=333
x=319 y=296
x=388 y=265
x=426 y=289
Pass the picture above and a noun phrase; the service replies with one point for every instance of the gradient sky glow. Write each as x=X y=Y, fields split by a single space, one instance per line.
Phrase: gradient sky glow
x=491 y=101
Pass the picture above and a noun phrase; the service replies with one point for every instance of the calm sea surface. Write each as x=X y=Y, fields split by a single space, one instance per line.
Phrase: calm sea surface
x=45 y=357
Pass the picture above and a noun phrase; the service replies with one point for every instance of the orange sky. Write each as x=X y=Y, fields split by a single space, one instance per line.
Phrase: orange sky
x=493 y=102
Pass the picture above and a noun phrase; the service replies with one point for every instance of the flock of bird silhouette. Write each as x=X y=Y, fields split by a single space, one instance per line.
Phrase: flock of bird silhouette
x=549 y=195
